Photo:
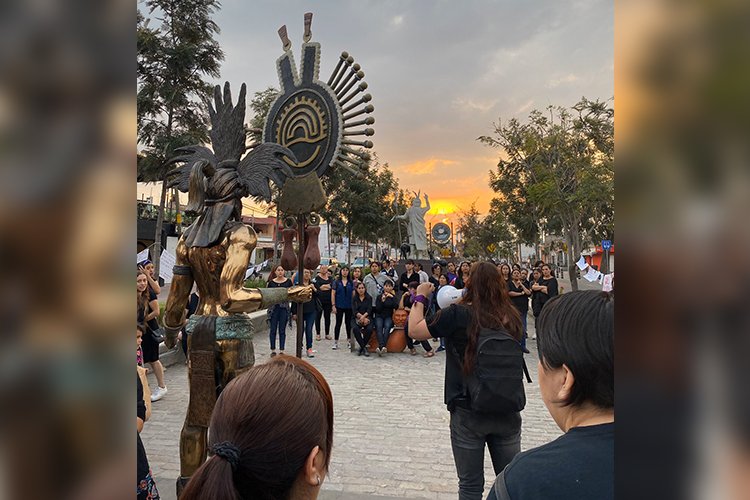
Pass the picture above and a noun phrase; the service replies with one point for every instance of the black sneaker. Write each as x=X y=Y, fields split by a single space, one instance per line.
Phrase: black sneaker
x=367 y=353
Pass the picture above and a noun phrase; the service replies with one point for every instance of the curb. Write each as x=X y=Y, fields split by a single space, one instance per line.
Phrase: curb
x=169 y=357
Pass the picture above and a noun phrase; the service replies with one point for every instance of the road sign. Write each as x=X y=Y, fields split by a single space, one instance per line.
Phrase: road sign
x=607 y=245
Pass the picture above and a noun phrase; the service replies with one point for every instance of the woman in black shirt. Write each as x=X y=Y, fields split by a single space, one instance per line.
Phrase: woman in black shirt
x=485 y=304
x=519 y=295
x=278 y=316
x=148 y=311
x=362 y=320
x=323 y=282
x=406 y=303
x=309 y=312
x=384 y=306
x=463 y=275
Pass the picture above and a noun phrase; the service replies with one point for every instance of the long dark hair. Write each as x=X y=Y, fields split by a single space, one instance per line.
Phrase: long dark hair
x=348 y=276
x=142 y=296
x=489 y=303
x=275 y=414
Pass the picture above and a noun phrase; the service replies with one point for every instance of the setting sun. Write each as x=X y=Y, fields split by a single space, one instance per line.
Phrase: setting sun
x=441 y=207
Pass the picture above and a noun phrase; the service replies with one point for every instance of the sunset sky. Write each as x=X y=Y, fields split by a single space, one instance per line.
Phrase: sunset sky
x=440 y=72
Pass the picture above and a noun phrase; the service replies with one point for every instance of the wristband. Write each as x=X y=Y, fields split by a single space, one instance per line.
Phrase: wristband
x=422 y=300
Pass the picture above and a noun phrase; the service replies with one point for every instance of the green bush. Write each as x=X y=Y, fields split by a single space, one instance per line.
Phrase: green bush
x=259 y=283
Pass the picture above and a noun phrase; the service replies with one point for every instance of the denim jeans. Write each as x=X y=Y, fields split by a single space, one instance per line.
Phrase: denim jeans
x=278 y=319
x=383 y=328
x=469 y=434
x=309 y=319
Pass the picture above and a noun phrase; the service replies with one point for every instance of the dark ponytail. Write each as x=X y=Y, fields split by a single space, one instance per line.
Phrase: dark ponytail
x=212 y=481
x=274 y=415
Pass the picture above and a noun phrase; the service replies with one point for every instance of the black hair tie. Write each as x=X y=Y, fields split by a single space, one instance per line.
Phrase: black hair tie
x=229 y=452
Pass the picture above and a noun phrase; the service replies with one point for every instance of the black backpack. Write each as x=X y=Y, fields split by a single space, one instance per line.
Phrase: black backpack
x=496 y=382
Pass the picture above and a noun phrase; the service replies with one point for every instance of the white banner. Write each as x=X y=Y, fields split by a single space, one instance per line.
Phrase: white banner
x=582 y=264
x=592 y=275
x=167 y=262
x=141 y=256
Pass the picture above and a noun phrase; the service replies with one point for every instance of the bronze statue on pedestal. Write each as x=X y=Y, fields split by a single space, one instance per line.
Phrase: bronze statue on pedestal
x=214 y=252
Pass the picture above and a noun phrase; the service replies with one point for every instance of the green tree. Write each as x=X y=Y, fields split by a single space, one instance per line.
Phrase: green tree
x=485 y=236
x=563 y=163
x=361 y=208
x=172 y=61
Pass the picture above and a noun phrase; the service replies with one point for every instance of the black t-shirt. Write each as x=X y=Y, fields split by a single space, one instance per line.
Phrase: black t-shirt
x=361 y=306
x=552 y=289
x=522 y=301
x=459 y=283
x=143 y=312
x=309 y=306
x=406 y=279
x=450 y=323
x=579 y=465
x=192 y=304
x=384 y=309
x=324 y=295
x=285 y=284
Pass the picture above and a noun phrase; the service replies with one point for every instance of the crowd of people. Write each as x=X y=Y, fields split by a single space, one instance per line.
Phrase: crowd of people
x=575 y=340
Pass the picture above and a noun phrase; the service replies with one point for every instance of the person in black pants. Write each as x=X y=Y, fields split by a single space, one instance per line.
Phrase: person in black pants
x=341 y=296
x=384 y=306
x=486 y=304
x=547 y=287
x=362 y=320
x=146 y=485
x=323 y=282
x=406 y=303
x=519 y=295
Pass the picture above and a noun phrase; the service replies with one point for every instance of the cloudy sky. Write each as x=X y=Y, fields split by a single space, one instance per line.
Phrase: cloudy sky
x=440 y=72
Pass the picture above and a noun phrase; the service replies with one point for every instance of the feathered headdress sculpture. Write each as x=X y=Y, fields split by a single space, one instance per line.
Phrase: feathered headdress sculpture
x=216 y=181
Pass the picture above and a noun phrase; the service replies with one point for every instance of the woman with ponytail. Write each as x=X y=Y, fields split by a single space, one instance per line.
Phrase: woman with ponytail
x=271 y=436
x=485 y=304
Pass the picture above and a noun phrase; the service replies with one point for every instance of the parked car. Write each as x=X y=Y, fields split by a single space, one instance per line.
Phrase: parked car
x=331 y=263
x=360 y=262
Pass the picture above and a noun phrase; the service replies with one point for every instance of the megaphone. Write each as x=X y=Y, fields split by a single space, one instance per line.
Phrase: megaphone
x=449 y=295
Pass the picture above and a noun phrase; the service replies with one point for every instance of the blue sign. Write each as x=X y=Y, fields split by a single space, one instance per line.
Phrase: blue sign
x=606 y=245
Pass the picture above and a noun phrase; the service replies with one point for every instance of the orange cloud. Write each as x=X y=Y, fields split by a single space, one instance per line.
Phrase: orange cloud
x=426 y=167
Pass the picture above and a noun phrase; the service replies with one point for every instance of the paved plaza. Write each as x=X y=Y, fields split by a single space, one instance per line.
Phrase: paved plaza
x=391 y=433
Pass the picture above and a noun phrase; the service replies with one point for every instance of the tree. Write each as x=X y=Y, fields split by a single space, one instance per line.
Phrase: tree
x=171 y=63
x=485 y=236
x=361 y=208
x=564 y=165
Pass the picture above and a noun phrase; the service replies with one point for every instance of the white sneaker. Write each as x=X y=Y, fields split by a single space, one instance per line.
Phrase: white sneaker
x=384 y=350
x=533 y=337
x=335 y=345
x=159 y=393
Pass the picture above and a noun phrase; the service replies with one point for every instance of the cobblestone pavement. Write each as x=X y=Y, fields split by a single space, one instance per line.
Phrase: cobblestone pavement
x=391 y=429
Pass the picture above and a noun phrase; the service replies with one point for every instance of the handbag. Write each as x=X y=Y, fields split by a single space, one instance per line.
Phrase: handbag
x=318 y=305
x=158 y=335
